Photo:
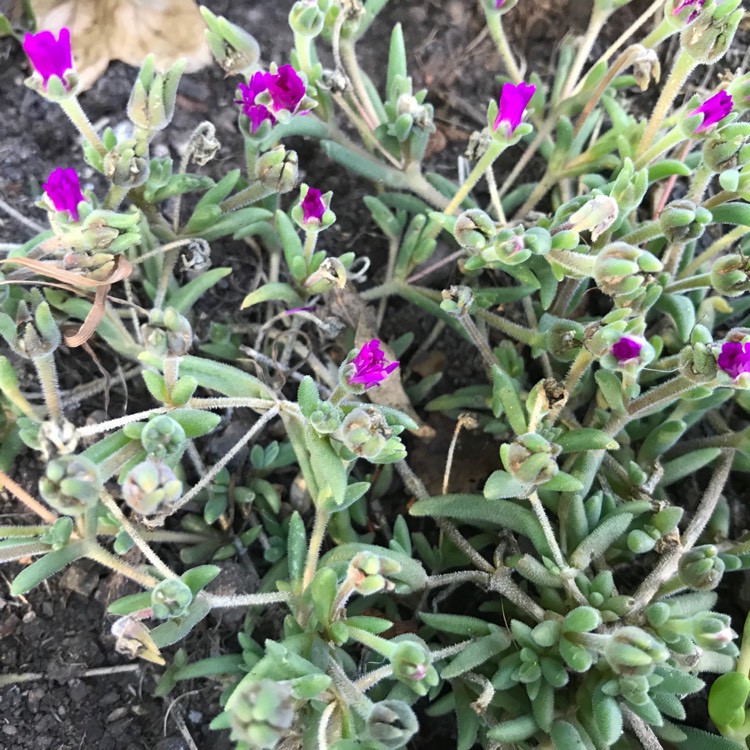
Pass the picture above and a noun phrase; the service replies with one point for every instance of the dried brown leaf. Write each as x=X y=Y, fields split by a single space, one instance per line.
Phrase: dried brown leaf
x=127 y=30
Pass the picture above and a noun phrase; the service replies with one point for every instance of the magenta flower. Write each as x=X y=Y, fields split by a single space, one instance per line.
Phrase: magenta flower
x=49 y=56
x=313 y=207
x=626 y=349
x=286 y=88
x=256 y=113
x=64 y=190
x=714 y=109
x=734 y=358
x=371 y=366
x=513 y=102
x=686 y=4
x=499 y=4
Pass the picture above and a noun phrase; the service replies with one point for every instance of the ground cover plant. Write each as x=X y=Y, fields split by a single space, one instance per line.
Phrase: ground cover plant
x=570 y=604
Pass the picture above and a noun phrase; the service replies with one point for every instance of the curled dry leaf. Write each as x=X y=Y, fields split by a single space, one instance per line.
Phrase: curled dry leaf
x=127 y=30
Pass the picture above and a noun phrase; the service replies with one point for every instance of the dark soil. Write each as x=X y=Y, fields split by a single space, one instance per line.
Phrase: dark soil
x=61 y=630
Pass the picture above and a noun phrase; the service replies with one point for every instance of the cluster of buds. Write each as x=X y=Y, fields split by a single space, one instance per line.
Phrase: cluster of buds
x=530 y=458
x=307 y=17
x=625 y=272
x=411 y=661
x=150 y=487
x=730 y=275
x=366 y=433
x=632 y=651
x=687 y=633
x=368 y=573
x=167 y=333
x=702 y=568
x=391 y=723
x=33 y=335
x=71 y=484
x=262 y=713
x=170 y=599
x=277 y=170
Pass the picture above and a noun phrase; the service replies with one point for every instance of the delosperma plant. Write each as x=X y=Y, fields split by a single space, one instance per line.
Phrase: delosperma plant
x=570 y=604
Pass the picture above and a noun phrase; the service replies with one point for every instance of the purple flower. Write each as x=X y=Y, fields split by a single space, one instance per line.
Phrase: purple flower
x=371 y=366
x=686 y=4
x=734 y=358
x=256 y=113
x=513 y=101
x=64 y=190
x=286 y=89
x=499 y=4
x=626 y=349
x=714 y=109
x=313 y=207
x=49 y=56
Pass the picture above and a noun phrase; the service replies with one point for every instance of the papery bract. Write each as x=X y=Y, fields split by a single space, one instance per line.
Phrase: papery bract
x=49 y=56
x=734 y=358
x=312 y=204
x=714 y=109
x=64 y=190
x=626 y=349
x=371 y=366
x=512 y=105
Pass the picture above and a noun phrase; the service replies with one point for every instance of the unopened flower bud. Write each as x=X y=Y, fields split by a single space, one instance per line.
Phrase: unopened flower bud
x=368 y=571
x=152 y=100
x=162 y=436
x=730 y=275
x=234 y=49
x=698 y=363
x=563 y=339
x=31 y=335
x=167 y=333
x=701 y=568
x=313 y=212
x=457 y=300
x=307 y=17
x=621 y=270
x=392 y=724
x=412 y=664
x=632 y=651
x=710 y=36
x=722 y=149
x=712 y=631
x=682 y=220
x=365 y=432
x=629 y=189
x=261 y=712
x=530 y=458
x=277 y=169
x=149 y=486
x=71 y=484
x=170 y=598
x=326 y=418
x=474 y=230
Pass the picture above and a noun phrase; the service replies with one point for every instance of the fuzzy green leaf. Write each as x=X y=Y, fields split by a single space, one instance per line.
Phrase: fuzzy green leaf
x=274 y=292
x=586 y=439
x=600 y=540
x=196 y=579
x=470 y=627
x=476 y=653
x=41 y=569
x=186 y=296
x=566 y=737
x=690 y=463
x=477 y=509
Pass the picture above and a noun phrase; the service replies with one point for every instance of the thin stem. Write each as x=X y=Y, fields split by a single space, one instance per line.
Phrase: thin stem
x=502 y=583
x=541 y=189
x=690 y=283
x=20 y=218
x=497 y=206
x=509 y=328
x=578 y=368
x=322 y=516
x=209 y=476
x=480 y=168
x=495 y=26
x=311 y=239
x=544 y=130
x=115 y=424
x=479 y=340
x=106 y=558
x=464 y=420
x=596 y=22
x=647 y=231
x=658 y=397
x=668 y=564
x=682 y=68
x=714 y=249
x=20 y=494
x=109 y=503
x=46 y=371
x=246 y=600
x=349 y=59
x=72 y=108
